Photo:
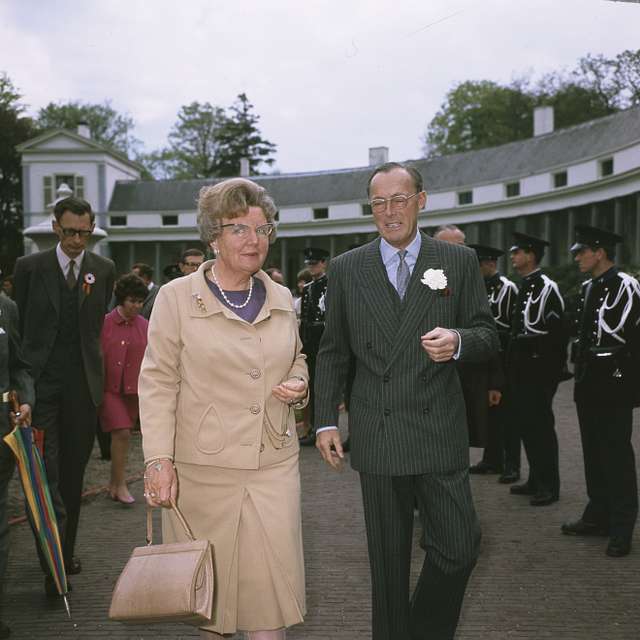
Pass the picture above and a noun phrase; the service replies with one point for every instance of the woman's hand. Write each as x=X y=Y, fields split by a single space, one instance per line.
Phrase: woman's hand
x=160 y=483
x=291 y=391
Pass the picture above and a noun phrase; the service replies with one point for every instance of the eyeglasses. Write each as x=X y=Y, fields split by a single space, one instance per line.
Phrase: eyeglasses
x=68 y=232
x=398 y=203
x=242 y=230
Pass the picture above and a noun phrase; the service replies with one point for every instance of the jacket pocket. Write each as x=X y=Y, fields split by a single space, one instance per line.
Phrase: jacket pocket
x=211 y=435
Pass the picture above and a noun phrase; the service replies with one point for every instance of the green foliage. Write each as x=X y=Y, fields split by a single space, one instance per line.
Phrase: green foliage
x=107 y=126
x=14 y=130
x=239 y=138
x=208 y=141
x=479 y=114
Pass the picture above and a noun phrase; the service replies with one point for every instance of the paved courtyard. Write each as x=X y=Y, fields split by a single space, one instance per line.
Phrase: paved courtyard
x=530 y=583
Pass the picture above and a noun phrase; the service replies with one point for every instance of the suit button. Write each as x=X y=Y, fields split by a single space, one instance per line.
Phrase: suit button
x=423 y=378
x=255 y=373
x=255 y=409
x=426 y=410
x=369 y=345
x=386 y=377
x=387 y=412
x=119 y=364
x=123 y=342
x=261 y=448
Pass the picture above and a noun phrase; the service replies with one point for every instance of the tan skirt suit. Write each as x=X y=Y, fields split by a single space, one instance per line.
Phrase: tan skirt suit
x=205 y=402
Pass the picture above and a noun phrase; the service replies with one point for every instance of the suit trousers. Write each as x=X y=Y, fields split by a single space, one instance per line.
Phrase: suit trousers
x=609 y=466
x=65 y=411
x=452 y=538
x=532 y=410
x=7 y=465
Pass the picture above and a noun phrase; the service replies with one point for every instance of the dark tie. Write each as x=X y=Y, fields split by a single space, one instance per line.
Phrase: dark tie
x=71 y=276
x=403 y=275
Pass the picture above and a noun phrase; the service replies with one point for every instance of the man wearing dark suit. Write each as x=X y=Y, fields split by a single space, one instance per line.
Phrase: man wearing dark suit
x=405 y=307
x=14 y=376
x=607 y=371
x=145 y=272
x=63 y=295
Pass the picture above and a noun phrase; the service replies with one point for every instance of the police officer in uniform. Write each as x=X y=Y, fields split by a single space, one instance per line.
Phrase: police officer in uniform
x=502 y=453
x=607 y=387
x=312 y=322
x=536 y=357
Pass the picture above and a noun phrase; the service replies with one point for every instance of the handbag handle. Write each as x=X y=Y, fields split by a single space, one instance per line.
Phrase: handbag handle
x=180 y=517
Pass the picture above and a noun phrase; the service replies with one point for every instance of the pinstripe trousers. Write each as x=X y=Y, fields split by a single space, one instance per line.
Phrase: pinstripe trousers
x=452 y=538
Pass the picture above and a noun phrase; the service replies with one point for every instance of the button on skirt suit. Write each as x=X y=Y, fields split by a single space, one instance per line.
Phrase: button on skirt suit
x=205 y=402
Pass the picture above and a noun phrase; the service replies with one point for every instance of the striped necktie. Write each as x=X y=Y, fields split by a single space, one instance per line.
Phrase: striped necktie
x=403 y=275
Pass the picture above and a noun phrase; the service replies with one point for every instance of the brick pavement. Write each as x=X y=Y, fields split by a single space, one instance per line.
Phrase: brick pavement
x=530 y=583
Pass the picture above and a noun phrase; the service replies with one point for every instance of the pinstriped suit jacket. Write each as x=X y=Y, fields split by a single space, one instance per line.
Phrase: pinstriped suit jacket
x=407 y=414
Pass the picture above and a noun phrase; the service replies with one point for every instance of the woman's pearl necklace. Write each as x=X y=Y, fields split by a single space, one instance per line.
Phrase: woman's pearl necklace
x=224 y=295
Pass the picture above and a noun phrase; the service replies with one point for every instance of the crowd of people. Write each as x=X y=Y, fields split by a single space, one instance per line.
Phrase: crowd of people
x=429 y=347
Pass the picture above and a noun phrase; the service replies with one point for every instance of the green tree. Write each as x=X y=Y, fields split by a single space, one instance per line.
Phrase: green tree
x=15 y=129
x=478 y=114
x=193 y=143
x=107 y=126
x=240 y=138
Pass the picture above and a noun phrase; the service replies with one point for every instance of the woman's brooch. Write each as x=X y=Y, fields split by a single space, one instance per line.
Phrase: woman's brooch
x=200 y=302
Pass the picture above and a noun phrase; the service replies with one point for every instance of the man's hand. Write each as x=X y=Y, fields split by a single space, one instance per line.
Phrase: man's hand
x=324 y=441
x=495 y=397
x=440 y=344
x=23 y=418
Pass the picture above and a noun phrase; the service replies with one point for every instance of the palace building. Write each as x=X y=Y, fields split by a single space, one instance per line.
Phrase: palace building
x=589 y=173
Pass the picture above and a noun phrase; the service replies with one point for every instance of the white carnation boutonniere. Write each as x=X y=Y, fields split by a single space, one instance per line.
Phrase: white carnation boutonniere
x=436 y=280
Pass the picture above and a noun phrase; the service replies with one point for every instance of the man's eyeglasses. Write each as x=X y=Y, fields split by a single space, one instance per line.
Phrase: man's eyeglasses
x=68 y=232
x=242 y=230
x=397 y=203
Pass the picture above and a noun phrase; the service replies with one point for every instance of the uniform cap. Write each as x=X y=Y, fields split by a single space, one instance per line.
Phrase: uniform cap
x=312 y=254
x=486 y=253
x=593 y=238
x=527 y=242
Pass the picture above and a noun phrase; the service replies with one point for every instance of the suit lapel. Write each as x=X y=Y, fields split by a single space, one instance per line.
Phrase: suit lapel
x=49 y=272
x=378 y=292
x=418 y=298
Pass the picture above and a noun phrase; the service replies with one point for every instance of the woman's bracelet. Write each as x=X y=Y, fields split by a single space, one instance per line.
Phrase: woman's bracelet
x=156 y=464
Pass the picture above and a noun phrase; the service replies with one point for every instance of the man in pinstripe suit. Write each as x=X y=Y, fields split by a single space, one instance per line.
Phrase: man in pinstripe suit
x=405 y=307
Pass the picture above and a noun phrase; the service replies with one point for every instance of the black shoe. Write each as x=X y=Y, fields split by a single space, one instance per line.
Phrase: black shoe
x=73 y=567
x=5 y=632
x=50 y=588
x=482 y=468
x=308 y=441
x=524 y=489
x=543 y=498
x=509 y=477
x=582 y=528
x=618 y=546
x=346 y=446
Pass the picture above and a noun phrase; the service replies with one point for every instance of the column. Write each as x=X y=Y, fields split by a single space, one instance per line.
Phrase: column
x=624 y=253
x=332 y=247
x=549 y=256
x=284 y=259
x=636 y=251
x=132 y=256
x=593 y=221
x=157 y=247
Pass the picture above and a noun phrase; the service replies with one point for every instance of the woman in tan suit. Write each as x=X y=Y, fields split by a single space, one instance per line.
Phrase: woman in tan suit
x=221 y=377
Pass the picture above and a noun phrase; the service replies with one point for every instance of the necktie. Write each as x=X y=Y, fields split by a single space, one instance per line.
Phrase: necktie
x=403 y=275
x=71 y=276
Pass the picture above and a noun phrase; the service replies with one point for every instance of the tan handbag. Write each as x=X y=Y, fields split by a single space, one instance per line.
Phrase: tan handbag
x=166 y=582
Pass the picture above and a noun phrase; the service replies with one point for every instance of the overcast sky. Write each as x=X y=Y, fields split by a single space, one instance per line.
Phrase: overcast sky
x=329 y=78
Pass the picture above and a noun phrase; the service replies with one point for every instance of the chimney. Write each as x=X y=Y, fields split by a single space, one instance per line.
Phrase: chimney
x=244 y=167
x=542 y=121
x=378 y=156
x=83 y=129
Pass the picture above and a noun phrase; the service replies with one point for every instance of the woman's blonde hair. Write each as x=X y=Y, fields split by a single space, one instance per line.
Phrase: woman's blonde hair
x=231 y=199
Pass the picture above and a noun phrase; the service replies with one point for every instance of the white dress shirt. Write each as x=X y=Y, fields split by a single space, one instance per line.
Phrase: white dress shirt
x=64 y=261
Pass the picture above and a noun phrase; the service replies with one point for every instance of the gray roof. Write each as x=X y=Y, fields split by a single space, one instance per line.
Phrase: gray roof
x=497 y=164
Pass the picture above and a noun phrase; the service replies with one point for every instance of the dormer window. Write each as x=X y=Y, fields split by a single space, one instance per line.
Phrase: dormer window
x=465 y=197
x=606 y=167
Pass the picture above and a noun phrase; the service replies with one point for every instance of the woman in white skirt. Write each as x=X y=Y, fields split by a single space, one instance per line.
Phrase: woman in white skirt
x=222 y=375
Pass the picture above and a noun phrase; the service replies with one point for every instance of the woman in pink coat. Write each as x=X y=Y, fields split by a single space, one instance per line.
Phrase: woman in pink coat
x=124 y=340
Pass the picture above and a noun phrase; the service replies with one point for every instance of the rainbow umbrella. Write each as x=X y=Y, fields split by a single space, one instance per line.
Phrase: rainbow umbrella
x=36 y=490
